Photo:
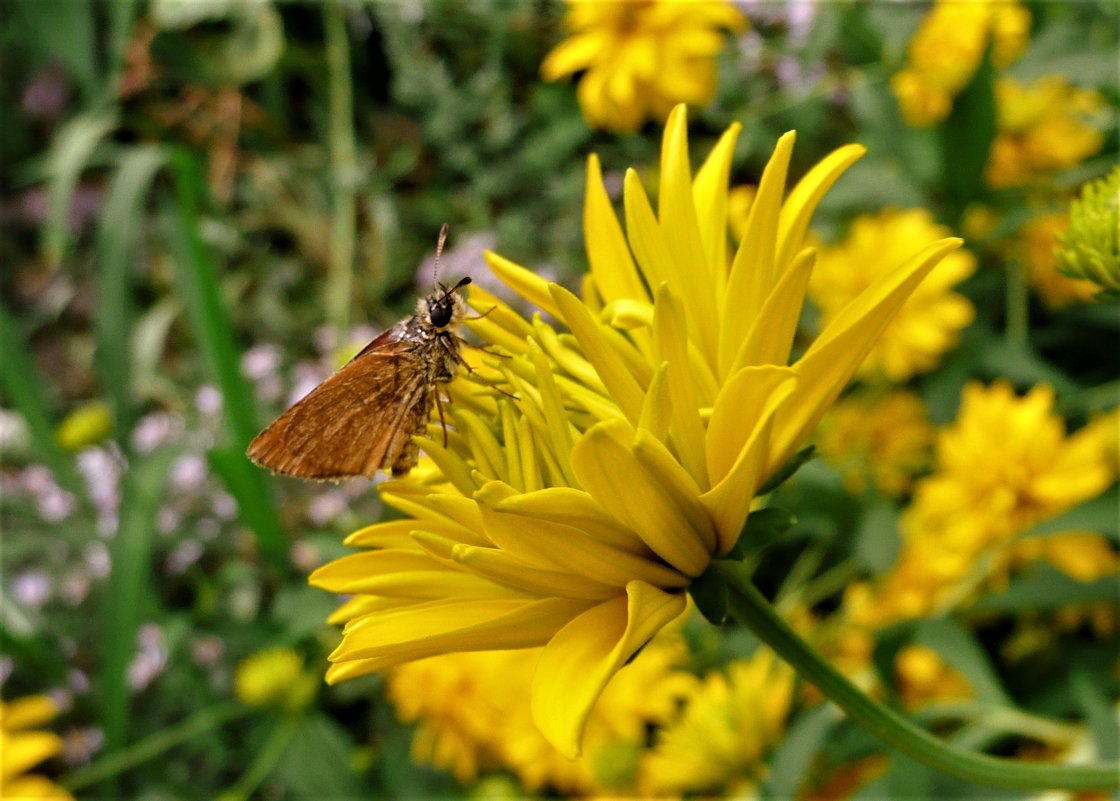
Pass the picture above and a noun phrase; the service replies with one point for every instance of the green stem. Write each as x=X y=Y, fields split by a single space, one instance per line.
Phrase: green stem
x=1018 y=317
x=340 y=271
x=266 y=759
x=151 y=747
x=750 y=608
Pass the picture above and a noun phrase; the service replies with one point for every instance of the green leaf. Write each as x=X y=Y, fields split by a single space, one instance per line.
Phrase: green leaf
x=876 y=538
x=63 y=32
x=69 y=154
x=1097 y=515
x=967 y=135
x=792 y=758
x=1099 y=712
x=128 y=587
x=197 y=279
x=317 y=762
x=763 y=528
x=1045 y=587
x=709 y=592
x=792 y=465
x=118 y=235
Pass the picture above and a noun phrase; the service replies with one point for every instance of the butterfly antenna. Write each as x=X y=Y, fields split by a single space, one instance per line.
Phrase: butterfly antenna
x=439 y=252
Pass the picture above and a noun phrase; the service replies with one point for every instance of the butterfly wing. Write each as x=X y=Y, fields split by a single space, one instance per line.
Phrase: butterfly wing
x=358 y=420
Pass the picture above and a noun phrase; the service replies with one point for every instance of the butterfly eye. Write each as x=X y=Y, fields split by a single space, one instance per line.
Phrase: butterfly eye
x=441 y=314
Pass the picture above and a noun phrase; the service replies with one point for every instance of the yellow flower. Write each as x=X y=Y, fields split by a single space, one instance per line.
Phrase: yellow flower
x=1090 y=249
x=22 y=747
x=1004 y=465
x=87 y=425
x=275 y=677
x=1035 y=248
x=945 y=52
x=929 y=323
x=1043 y=128
x=924 y=677
x=641 y=57
x=577 y=516
x=473 y=716
x=739 y=200
x=720 y=741
x=882 y=438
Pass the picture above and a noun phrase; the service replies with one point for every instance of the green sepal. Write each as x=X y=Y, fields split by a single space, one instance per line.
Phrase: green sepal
x=792 y=465
x=709 y=592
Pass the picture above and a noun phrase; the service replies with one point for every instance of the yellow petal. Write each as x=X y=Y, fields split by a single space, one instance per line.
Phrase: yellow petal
x=614 y=477
x=771 y=334
x=501 y=567
x=607 y=252
x=832 y=359
x=803 y=200
x=398 y=573
x=690 y=277
x=609 y=365
x=438 y=627
x=524 y=282
x=709 y=193
x=576 y=665
x=657 y=409
x=739 y=410
x=752 y=273
x=24 y=750
x=670 y=335
x=28 y=712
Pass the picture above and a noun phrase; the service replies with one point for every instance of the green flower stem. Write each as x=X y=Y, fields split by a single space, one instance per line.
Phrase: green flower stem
x=266 y=759
x=154 y=745
x=1017 y=324
x=750 y=608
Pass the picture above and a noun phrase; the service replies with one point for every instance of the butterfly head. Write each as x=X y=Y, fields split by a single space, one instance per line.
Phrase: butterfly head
x=446 y=307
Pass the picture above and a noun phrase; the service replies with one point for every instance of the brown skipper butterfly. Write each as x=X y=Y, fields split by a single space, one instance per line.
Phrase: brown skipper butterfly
x=363 y=417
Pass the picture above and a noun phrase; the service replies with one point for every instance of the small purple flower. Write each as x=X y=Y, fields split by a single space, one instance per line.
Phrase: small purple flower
x=185 y=555
x=32 y=588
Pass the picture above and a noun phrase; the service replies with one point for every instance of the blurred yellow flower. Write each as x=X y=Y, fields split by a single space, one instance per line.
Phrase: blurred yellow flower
x=472 y=712
x=275 y=677
x=946 y=50
x=23 y=746
x=577 y=517
x=924 y=677
x=739 y=200
x=1090 y=247
x=1004 y=465
x=929 y=322
x=1035 y=248
x=881 y=439
x=1043 y=127
x=87 y=425
x=641 y=57
x=720 y=742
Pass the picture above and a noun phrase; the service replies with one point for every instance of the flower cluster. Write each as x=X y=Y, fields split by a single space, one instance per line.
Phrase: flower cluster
x=1004 y=465
x=640 y=58
x=1035 y=250
x=1044 y=127
x=1090 y=249
x=946 y=51
x=576 y=516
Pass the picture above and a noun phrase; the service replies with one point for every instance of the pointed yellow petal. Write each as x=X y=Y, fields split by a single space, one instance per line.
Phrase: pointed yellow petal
x=609 y=365
x=406 y=574
x=832 y=359
x=609 y=472
x=752 y=273
x=709 y=193
x=524 y=282
x=771 y=334
x=607 y=252
x=500 y=567
x=576 y=665
x=439 y=627
x=679 y=487
x=803 y=200
x=690 y=278
x=739 y=409
x=657 y=409
x=645 y=235
x=670 y=336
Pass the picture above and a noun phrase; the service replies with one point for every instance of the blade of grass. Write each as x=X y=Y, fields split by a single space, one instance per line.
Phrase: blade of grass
x=69 y=154
x=25 y=391
x=197 y=279
x=118 y=235
x=142 y=488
